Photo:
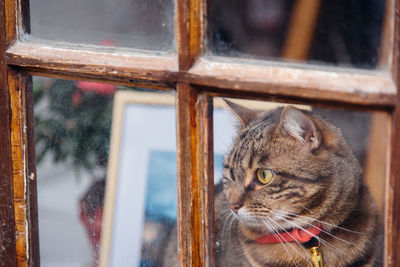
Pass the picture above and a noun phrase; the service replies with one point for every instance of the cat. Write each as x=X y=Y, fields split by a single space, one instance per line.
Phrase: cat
x=292 y=183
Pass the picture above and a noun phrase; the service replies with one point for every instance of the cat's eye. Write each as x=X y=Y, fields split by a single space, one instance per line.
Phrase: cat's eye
x=264 y=176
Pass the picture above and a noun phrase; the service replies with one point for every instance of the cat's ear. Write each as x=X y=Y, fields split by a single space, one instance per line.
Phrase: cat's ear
x=300 y=126
x=244 y=114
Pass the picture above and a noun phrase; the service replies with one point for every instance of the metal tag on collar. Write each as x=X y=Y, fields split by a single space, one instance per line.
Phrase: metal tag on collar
x=316 y=257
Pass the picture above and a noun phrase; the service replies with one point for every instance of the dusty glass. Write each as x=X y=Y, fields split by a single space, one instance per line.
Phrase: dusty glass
x=141 y=24
x=339 y=33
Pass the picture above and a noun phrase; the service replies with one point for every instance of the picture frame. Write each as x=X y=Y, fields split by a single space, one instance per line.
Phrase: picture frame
x=124 y=206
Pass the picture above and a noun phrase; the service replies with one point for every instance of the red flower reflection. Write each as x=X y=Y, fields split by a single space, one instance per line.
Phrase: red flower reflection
x=100 y=88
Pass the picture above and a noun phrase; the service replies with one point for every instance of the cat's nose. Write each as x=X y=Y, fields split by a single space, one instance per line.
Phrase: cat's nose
x=235 y=207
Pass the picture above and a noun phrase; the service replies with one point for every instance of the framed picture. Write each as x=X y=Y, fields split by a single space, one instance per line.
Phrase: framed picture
x=141 y=192
x=142 y=137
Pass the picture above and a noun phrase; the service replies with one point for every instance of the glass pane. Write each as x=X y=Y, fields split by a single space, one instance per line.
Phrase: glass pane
x=291 y=182
x=142 y=24
x=343 y=33
x=144 y=206
x=72 y=131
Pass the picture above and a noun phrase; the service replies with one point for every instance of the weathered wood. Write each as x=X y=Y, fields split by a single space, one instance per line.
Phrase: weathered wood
x=190 y=33
x=232 y=77
x=393 y=205
x=19 y=158
x=393 y=223
x=194 y=163
x=31 y=195
x=98 y=63
x=7 y=232
x=207 y=172
x=10 y=21
x=189 y=204
x=347 y=86
x=24 y=244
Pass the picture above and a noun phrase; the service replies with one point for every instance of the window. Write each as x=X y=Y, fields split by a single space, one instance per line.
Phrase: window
x=198 y=76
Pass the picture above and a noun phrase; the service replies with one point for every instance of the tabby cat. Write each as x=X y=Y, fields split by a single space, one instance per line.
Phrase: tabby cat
x=291 y=183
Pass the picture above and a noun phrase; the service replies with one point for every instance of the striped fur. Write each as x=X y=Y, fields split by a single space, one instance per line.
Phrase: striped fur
x=317 y=180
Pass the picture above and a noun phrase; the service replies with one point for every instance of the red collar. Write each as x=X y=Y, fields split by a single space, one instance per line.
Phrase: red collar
x=296 y=234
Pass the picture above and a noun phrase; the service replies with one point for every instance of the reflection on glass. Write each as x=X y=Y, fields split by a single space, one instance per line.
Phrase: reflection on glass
x=160 y=206
x=72 y=133
x=142 y=24
x=345 y=33
x=270 y=171
x=145 y=199
x=144 y=202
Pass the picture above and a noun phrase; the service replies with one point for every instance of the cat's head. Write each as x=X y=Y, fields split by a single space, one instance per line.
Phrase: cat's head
x=288 y=167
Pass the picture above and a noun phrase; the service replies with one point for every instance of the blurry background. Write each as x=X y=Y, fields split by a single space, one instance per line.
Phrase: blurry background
x=336 y=32
x=73 y=118
x=72 y=130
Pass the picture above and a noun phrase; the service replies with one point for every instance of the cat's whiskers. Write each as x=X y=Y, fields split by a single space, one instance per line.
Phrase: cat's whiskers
x=227 y=226
x=272 y=230
x=281 y=241
x=322 y=222
x=326 y=232
x=301 y=255
x=261 y=215
x=327 y=243
x=323 y=241
x=229 y=218
x=319 y=238
x=293 y=217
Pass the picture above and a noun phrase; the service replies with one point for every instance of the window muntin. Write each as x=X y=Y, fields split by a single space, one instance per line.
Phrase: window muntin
x=243 y=89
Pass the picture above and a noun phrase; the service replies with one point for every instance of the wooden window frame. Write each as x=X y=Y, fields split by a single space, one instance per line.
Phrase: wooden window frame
x=197 y=77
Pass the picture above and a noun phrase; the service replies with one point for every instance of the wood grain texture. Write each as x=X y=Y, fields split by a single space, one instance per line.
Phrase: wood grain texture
x=393 y=223
x=194 y=173
x=19 y=159
x=7 y=232
x=190 y=33
x=31 y=195
x=189 y=203
x=393 y=205
x=10 y=21
x=30 y=178
x=98 y=63
x=326 y=84
x=207 y=172
x=349 y=86
x=224 y=76
x=15 y=86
